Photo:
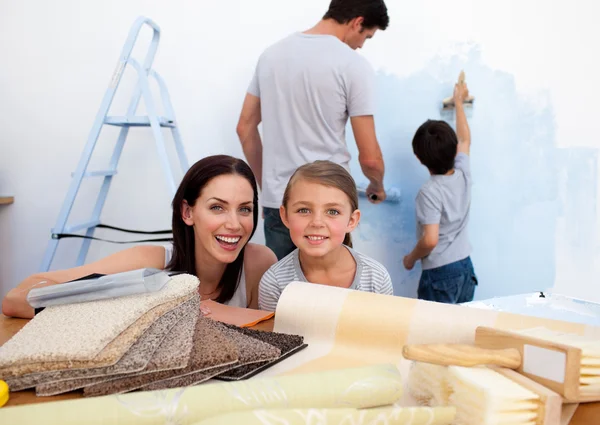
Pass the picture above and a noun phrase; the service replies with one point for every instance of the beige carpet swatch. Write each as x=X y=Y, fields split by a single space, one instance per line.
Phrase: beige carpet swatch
x=210 y=349
x=136 y=358
x=80 y=331
x=110 y=354
x=179 y=322
x=177 y=343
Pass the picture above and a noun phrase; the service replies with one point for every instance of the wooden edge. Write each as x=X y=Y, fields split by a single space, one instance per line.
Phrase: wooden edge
x=5 y=200
x=488 y=337
x=550 y=411
x=584 y=399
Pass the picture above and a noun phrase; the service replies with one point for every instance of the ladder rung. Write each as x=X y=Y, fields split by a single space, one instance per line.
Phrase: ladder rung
x=98 y=173
x=123 y=121
x=80 y=226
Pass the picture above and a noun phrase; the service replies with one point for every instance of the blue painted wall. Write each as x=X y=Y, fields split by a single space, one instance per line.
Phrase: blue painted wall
x=518 y=171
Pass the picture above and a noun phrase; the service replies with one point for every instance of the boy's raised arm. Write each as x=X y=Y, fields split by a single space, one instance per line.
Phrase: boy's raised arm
x=461 y=92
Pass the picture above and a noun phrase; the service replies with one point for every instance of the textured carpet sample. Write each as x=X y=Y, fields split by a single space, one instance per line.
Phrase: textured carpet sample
x=250 y=351
x=173 y=353
x=110 y=354
x=136 y=358
x=174 y=328
x=210 y=349
x=287 y=344
x=80 y=331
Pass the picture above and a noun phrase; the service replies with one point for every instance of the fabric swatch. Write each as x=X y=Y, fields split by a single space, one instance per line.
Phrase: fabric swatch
x=176 y=325
x=80 y=331
x=210 y=349
x=287 y=344
x=110 y=354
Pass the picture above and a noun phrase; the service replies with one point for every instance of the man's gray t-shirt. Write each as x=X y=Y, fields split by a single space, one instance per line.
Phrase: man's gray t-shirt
x=446 y=200
x=308 y=86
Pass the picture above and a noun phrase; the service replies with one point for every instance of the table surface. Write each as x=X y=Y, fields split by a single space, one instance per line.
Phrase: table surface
x=586 y=413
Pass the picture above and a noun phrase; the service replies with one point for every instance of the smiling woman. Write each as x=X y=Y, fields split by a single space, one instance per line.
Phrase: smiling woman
x=215 y=213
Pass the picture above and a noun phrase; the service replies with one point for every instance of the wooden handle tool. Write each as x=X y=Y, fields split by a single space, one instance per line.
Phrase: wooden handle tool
x=462 y=355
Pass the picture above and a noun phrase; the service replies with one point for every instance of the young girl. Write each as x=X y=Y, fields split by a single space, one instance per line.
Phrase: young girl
x=215 y=213
x=320 y=208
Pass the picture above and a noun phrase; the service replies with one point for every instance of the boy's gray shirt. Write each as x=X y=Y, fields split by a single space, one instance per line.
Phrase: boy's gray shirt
x=308 y=85
x=446 y=200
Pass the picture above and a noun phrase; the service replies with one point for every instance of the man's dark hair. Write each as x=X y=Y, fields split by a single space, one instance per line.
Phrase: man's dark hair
x=374 y=12
x=435 y=144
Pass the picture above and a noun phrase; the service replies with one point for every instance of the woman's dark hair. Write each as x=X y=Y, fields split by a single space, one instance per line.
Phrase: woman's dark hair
x=374 y=12
x=184 y=249
x=435 y=145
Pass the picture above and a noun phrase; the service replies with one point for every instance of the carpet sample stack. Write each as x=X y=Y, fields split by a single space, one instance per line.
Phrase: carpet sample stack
x=139 y=342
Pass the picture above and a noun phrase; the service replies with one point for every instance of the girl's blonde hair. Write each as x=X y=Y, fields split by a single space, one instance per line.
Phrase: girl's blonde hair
x=329 y=174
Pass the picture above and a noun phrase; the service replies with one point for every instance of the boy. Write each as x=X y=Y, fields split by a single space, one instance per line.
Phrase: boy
x=442 y=209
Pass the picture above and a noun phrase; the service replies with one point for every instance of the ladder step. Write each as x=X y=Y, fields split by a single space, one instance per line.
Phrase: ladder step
x=102 y=173
x=123 y=121
x=80 y=226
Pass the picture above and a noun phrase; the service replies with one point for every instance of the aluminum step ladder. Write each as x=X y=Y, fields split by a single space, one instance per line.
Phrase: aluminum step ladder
x=152 y=120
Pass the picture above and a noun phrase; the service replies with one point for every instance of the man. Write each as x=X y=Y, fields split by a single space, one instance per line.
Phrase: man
x=304 y=89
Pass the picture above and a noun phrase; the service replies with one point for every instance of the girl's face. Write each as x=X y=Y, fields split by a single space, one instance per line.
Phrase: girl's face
x=318 y=217
x=222 y=217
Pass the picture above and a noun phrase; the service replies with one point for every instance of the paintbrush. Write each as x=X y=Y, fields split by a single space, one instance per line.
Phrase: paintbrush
x=448 y=103
x=567 y=364
x=484 y=396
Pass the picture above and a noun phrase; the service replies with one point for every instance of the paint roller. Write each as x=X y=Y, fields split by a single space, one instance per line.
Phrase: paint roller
x=448 y=103
x=392 y=194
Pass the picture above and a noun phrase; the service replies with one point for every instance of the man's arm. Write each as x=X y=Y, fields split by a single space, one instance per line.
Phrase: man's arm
x=247 y=130
x=369 y=154
x=461 y=92
x=424 y=246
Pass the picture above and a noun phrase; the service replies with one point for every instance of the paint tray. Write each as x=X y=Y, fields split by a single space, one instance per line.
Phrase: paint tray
x=132 y=282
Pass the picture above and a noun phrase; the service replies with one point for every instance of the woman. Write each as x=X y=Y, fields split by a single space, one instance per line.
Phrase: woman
x=215 y=213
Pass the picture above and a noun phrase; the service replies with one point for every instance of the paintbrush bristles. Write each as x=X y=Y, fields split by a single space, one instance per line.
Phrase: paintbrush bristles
x=428 y=384
x=484 y=397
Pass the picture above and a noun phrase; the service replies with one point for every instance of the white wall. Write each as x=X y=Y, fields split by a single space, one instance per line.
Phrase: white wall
x=56 y=59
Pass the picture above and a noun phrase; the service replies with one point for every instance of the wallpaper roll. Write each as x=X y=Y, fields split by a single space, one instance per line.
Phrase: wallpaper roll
x=365 y=387
x=382 y=416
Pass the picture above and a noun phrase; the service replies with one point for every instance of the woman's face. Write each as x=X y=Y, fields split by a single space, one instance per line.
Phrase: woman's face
x=222 y=217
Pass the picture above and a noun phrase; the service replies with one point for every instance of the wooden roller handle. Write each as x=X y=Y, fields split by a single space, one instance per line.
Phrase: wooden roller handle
x=462 y=355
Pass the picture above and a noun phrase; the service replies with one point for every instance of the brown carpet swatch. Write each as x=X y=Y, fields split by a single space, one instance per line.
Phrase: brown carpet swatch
x=174 y=328
x=287 y=344
x=187 y=380
x=210 y=349
x=251 y=350
x=80 y=331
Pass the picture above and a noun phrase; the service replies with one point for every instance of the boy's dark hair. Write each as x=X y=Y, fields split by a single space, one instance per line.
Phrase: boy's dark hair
x=435 y=144
x=374 y=12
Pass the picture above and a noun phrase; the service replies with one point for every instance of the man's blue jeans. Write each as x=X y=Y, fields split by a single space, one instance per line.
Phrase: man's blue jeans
x=452 y=283
x=277 y=236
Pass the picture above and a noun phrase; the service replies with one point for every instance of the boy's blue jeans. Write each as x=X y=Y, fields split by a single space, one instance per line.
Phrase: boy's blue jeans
x=453 y=283
x=277 y=236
